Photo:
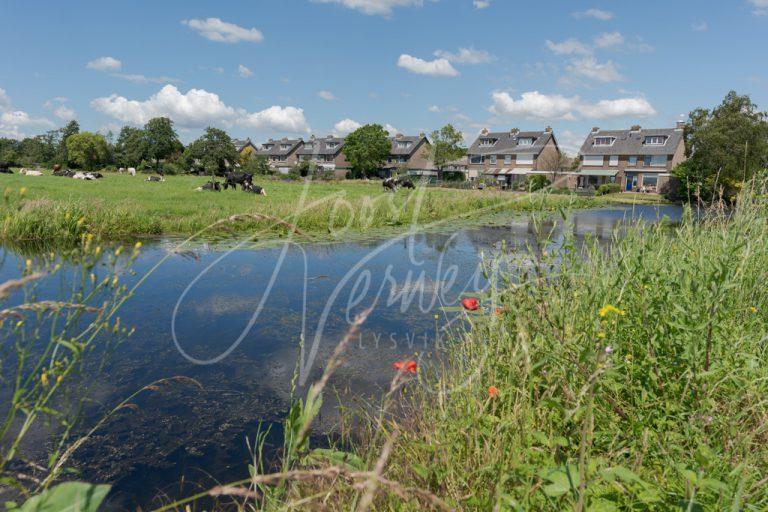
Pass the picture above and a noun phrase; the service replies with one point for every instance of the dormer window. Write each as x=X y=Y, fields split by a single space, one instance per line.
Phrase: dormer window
x=525 y=141
x=487 y=143
x=285 y=147
x=332 y=145
x=309 y=147
x=604 y=141
x=655 y=140
x=403 y=144
x=267 y=147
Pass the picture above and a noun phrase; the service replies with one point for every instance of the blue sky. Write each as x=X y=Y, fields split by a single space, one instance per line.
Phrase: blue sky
x=267 y=68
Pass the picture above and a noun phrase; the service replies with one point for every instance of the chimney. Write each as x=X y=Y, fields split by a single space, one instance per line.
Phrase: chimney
x=636 y=128
x=271 y=140
x=680 y=125
x=548 y=129
x=595 y=129
x=484 y=131
x=399 y=136
x=514 y=131
x=422 y=135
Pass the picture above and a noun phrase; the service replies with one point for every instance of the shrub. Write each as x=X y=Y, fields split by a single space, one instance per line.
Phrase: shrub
x=608 y=188
x=535 y=182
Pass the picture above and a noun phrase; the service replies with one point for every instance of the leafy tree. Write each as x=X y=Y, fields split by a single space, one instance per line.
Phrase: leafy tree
x=87 y=150
x=447 y=146
x=257 y=165
x=72 y=128
x=367 y=149
x=161 y=140
x=130 y=147
x=214 y=152
x=726 y=146
x=9 y=151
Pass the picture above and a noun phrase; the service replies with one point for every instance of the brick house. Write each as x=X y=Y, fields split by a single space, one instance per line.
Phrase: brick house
x=281 y=154
x=410 y=154
x=326 y=153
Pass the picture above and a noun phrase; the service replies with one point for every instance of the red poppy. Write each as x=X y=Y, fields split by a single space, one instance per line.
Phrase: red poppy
x=406 y=366
x=470 y=304
x=493 y=391
x=501 y=311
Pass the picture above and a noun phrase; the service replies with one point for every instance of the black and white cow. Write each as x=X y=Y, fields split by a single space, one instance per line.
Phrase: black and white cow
x=233 y=179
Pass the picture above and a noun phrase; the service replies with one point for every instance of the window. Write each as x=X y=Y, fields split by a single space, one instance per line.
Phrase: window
x=525 y=141
x=331 y=145
x=507 y=159
x=403 y=144
x=593 y=160
x=309 y=147
x=525 y=159
x=655 y=160
x=650 y=181
x=493 y=159
x=633 y=161
x=604 y=141
x=614 y=161
x=285 y=147
x=486 y=143
x=655 y=140
x=475 y=159
x=267 y=147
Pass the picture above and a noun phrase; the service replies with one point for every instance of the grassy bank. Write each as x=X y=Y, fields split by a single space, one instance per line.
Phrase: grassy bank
x=47 y=208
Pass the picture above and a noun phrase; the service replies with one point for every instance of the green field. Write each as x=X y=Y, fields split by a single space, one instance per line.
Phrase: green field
x=118 y=207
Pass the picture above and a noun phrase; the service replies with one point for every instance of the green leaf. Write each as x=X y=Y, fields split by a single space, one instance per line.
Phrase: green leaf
x=68 y=497
x=338 y=458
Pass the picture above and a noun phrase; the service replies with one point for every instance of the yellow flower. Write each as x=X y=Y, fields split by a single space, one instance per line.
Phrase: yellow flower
x=23 y=191
x=59 y=379
x=605 y=310
x=29 y=264
x=97 y=251
x=753 y=309
x=44 y=378
x=118 y=251
x=80 y=221
x=114 y=281
x=601 y=335
x=138 y=245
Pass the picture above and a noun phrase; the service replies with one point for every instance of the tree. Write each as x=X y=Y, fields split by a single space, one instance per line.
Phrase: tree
x=87 y=150
x=726 y=146
x=131 y=147
x=366 y=149
x=214 y=152
x=72 y=128
x=447 y=146
x=161 y=140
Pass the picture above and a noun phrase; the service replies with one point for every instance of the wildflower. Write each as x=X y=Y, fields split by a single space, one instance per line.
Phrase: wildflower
x=44 y=379
x=753 y=309
x=608 y=350
x=59 y=379
x=137 y=246
x=493 y=392
x=80 y=221
x=29 y=263
x=628 y=357
x=500 y=311
x=601 y=335
x=23 y=191
x=118 y=251
x=406 y=366
x=605 y=310
x=437 y=317
x=470 y=304
x=97 y=251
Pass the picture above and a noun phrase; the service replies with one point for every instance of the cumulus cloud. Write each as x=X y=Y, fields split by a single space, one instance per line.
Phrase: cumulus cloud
x=60 y=109
x=466 y=56
x=437 y=67
x=198 y=108
x=435 y=109
x=569 y=47
x=244 y=71
x=535 y=105
x=609 y=40
x=345 y=127
x=326 y=95
x=589 y=67
x=373 y=7
x=391 y=129
x=214 y=29
x=597 y=14
x=481 y=4
x=105 y=64
x=760 y=7
x=13 y=123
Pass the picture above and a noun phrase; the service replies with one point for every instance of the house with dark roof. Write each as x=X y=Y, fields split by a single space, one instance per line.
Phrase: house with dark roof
x=281 y=154
x=409 y=154
x=245 y=147
x=326 y=153
x=638 y=159
x=513 y=155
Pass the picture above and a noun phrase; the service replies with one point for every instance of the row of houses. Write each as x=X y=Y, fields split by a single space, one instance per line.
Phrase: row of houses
x=637 y=159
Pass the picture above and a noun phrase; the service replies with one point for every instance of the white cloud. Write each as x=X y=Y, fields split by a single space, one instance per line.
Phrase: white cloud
x=220 y=31
x=609 y=39
x=597 y=14
x=60 y=109
x=391 y=129
x=700 y=26
x=569 y=47
x=244 y=71
x=466 y=56
x=589 y=67
x=437 y=67
x=199 y=108
x=13 y=122
x=105 y=64
x=345 y=127
x=535 y=105
x=481 y=4
x=435 y=109
x=137 y=78
x=761 y=7
x=373 y=7
x=326 y=95
x=570 y=142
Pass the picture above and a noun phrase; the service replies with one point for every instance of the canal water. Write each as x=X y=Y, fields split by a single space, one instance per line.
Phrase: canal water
x=236 y=320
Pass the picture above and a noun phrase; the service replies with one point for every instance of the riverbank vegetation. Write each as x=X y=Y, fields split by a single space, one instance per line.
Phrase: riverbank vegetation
x=628 y=379
x=49 y=209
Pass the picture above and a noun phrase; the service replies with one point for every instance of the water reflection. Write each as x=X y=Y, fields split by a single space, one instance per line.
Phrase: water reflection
x=185 y=431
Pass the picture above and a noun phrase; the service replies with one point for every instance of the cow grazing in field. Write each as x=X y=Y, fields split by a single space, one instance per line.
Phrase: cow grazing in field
x=86 y=176
x=63 y=173
x=156 y=179
x=211 y=186
x=30 y=172
x=406 y=184
x=255 y=189
x=233 y=179
x=96 y=175
x=132 y=171
x=390 y=185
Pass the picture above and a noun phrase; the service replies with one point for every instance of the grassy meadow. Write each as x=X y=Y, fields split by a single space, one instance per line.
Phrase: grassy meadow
x=53 y=209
